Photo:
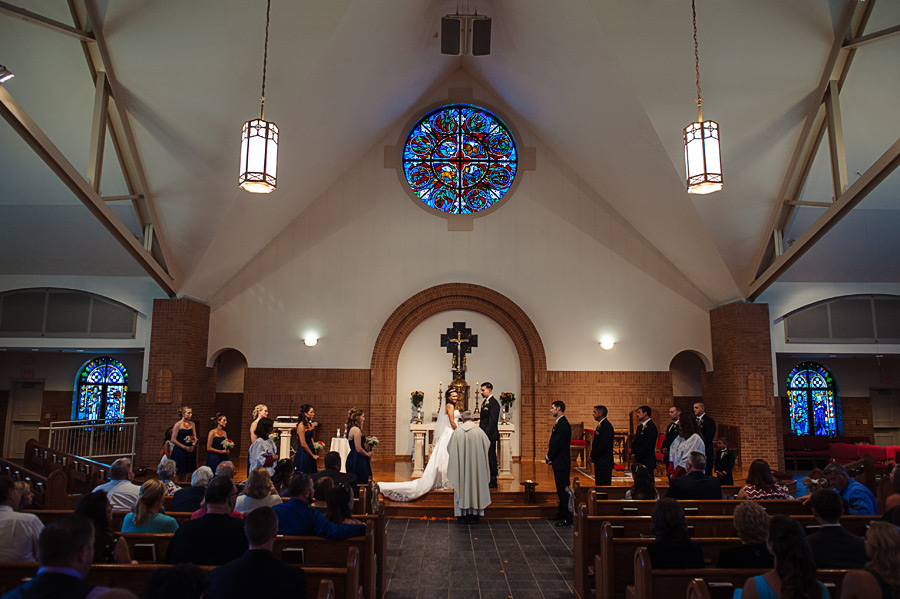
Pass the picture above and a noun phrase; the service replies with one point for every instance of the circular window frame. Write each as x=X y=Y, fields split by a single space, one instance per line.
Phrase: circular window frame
x=457 y=222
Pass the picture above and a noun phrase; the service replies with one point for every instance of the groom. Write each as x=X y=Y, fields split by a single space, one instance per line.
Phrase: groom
x=490 y=419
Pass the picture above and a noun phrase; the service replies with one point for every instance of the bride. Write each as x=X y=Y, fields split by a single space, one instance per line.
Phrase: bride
x=435 y=475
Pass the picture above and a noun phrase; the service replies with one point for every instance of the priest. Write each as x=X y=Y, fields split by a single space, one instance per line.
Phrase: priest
x=469 y=471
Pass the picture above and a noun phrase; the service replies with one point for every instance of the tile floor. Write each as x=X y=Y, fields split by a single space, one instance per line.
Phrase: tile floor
x=495 y=559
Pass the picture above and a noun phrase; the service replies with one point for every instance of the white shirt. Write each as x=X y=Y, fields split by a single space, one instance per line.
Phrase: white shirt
x=122 y=494
x=20 y=534
x=681 y=448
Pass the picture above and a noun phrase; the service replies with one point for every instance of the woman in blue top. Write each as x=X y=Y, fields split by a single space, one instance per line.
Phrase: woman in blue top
x=184 y=440
x=794 y=575
x=305 y=458
x=215 y=453
x=146 y=516
x=358 y=460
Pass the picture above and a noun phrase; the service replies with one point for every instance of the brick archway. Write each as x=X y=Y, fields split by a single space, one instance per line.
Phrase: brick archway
x=441 y=298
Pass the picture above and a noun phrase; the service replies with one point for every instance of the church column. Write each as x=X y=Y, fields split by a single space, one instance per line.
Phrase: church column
x=177 y=375
x=739 y=390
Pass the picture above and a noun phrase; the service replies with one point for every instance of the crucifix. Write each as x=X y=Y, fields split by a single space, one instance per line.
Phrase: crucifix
x=459 y=341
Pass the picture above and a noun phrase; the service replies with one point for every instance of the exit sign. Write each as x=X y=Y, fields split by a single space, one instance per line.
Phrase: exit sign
x=885 y=380
x=27 y=373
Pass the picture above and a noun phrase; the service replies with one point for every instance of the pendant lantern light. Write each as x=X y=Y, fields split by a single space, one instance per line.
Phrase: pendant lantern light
x=702 y=157
x=259 y=141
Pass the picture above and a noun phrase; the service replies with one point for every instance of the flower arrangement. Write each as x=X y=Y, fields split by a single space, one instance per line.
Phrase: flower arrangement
x=227 y=444
x=318 y=446
x=507 y=399
x=274 y=436
x=191 y=440
x=371 y=443
x=416 y=398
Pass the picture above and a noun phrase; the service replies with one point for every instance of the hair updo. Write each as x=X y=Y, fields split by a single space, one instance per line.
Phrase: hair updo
x=353 y=416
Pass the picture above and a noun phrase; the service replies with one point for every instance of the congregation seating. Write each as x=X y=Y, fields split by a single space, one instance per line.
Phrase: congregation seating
x=674 y=584
x=695 y=507
x=82 y=474
x=49 y=490
x=582 y=493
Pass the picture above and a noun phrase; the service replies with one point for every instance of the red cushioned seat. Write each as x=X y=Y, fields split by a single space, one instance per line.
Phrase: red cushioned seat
x=577 y=443
x=860 y=440
x=792 y=443
x=878 y=453
x=814 y=443
x=842 y=453
x=841 y=439
x=892 y=451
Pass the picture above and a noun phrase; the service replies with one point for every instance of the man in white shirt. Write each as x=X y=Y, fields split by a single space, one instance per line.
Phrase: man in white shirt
x=122 y=493
x=19 y=532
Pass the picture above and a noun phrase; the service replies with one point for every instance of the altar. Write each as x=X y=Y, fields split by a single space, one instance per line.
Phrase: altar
x=423 y=432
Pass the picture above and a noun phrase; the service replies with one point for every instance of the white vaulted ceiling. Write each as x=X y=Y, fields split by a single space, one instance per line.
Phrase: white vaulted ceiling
x=608 y=85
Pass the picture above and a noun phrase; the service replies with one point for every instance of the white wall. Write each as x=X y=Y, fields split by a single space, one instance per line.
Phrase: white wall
x=555 y=248
x=423 y=363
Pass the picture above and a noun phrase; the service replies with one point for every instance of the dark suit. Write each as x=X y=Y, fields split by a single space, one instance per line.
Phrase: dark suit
x=489 y=420
x=695 y=485
x=188 y=499
x=643 y=448
x=835 y=547
x=602 y=453
x=239 y=579
x=724 y=466
x=671 y=433
x=338 y=477
x=559 y=457
x=49 y=585
x=708 y=432
x=212 y=540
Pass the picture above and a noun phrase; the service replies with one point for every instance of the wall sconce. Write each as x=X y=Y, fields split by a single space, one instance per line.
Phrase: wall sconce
x=607 y=342
x=5 y=74
x=310 y=340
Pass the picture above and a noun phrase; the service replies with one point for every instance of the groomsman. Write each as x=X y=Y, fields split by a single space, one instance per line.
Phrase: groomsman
x=489 y=421
x=671 y=431
x=643 y=448
x=708 y=432
x=558 y=456
x=602 y=447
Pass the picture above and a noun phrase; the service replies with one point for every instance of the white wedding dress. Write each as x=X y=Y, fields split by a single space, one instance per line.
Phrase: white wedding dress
x=435 y=476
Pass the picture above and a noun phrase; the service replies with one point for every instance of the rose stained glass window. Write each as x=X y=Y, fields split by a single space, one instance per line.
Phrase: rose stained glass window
x=813 y=401
x=100 y=390
x=460 y=159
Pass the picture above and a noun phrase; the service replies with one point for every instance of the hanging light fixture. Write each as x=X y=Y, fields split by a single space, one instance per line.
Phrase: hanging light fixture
x=259 y=140
x=702 y=158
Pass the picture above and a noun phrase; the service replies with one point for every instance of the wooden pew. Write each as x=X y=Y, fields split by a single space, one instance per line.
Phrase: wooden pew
x=692 y=507
x=673 y=584
x=617 y=492
x=49 y=490
x=321 y=583
x=380 y=522
x=83 y=474
x=720 y=526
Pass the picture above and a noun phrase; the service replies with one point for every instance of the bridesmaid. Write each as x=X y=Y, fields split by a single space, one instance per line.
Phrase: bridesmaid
x=260 y=411
x=215 y=453
x=305 y=459
x=184 y=452
x=358 y=460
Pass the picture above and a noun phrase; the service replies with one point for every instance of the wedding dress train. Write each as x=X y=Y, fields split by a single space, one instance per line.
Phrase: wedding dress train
x=435 y=476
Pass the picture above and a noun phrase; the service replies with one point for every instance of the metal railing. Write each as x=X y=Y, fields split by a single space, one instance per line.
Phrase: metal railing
x=114 y=438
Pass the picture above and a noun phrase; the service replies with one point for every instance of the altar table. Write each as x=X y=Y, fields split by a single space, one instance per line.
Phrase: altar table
x=342 y=446
x=421 y=433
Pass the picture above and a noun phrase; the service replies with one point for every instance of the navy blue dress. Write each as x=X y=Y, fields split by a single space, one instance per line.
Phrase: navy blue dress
x=214 y=459
x=304 y=462
x=359 y=464
x=186 y=461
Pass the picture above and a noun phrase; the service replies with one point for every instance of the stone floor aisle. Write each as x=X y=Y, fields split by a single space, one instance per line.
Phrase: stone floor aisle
x=495 y=559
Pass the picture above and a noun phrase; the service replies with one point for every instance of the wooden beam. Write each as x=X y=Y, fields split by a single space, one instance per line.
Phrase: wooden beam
x=869 y=180
x=836 y=139
x=31 y=17
x=811 y=204
x=69 y=175
x=873 y=37
x=98 y=132
x=121 y=198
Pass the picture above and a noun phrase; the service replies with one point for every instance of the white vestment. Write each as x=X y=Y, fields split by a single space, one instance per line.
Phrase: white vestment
x=468 y=469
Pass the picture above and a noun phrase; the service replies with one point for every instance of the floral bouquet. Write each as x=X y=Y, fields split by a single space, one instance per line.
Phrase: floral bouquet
x=190 y=440
x=371 y=443
x=507 y=399
x=227 y=444
x=318 y=446
x=416 y=397
x=274 y=437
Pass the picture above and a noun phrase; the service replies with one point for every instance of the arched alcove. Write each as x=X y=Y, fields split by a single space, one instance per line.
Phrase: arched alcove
x=687 y=368
x=230 y=368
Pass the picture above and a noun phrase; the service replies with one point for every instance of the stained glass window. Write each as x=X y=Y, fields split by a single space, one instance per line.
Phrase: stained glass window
x=814 y=402
x=100 y=390
x=460 y=159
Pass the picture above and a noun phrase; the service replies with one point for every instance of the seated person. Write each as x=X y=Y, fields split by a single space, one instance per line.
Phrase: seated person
x=284 y=471
x=19 y=531
x=226 y=468
x=695 y=484
x=673 y=547
x=340 y=505
x=296 y=517
x=761 y=484
x=833 y=546
x=109 y=546
x=258 y=492
x=122 y=493
x=794 y=566
x=215 y=538
x=643 y=486
x=188 y=499
x=861 y=499
x=167 y=470
x=239 y=578
x=881 y=577
x=332 y=470
x=752 y=525
x=321 y=488
x=146 y=516
x=26 y=494
x=65 y=552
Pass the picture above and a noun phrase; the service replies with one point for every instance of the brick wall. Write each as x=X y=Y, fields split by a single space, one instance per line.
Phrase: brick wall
x=741 y=345
x=177 y=375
